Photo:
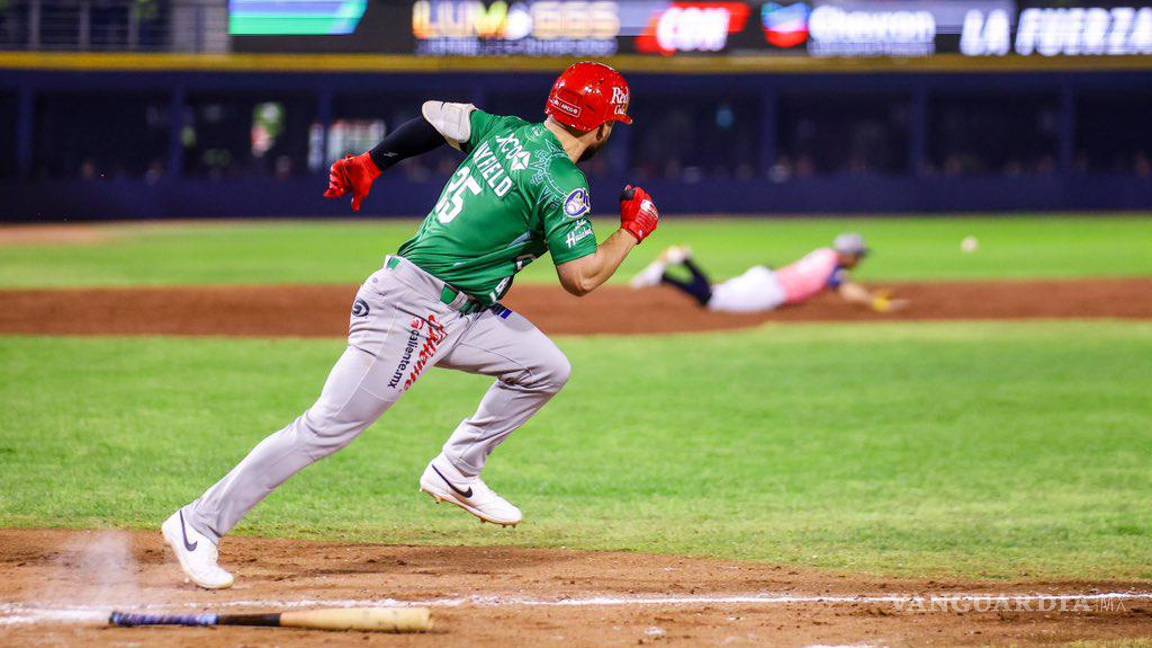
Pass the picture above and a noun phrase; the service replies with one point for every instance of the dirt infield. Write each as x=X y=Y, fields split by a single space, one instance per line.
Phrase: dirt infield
x=322 y=311
x=38 y=235
x=50 y=580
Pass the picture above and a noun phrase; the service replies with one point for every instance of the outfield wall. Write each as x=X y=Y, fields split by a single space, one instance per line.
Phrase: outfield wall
x=55 y=101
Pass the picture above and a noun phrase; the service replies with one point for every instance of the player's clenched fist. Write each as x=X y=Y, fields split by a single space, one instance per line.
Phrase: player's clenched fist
x=638 y=214
x=352 y=175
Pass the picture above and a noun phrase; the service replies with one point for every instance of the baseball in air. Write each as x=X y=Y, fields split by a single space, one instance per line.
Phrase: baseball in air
x=969 y=245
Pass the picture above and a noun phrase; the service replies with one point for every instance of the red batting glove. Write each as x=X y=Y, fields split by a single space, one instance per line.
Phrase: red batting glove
x=638 y=214
x=355 y=175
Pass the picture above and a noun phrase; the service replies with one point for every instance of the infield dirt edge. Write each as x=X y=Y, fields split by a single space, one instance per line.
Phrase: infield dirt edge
x=68 y=568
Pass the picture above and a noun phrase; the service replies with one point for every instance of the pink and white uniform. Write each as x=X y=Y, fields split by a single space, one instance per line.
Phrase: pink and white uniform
x=809 y=276
x=761 y=288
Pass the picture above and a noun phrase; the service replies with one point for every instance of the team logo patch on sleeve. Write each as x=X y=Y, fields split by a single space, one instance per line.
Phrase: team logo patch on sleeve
x=577 y=204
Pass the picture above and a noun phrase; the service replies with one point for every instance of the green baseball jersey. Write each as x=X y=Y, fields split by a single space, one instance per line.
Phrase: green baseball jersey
x=515 y=197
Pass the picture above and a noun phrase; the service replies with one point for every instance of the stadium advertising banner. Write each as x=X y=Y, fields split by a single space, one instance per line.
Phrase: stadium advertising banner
x=597 y=28
x=855 y=28
x=1074 y=29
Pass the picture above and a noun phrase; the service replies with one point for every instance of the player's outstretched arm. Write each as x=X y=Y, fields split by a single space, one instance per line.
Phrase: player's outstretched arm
x=439 y=123
x=638 y=219
x=880 y=301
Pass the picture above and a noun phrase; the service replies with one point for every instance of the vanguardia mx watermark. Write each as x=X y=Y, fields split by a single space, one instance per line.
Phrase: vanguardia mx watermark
x=1043 y=604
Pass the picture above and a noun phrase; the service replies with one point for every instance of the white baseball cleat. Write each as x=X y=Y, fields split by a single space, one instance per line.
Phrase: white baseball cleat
x=652 y=273
x=676 y=254
x=444 y=483
x=196 y=553
x=650 y=276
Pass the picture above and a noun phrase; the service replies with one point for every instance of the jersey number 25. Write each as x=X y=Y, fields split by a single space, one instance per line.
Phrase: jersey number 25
x=453 y=199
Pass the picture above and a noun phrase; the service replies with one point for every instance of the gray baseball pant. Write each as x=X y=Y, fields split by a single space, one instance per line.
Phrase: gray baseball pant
x=400 y=327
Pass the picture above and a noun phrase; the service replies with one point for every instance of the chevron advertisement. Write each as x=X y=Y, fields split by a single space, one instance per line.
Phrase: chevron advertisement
x=868 y=28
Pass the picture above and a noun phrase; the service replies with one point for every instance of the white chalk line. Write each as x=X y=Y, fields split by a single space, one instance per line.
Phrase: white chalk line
x=16 y=613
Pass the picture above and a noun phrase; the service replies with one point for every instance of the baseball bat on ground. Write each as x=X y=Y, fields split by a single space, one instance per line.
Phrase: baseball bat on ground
x=376 y=619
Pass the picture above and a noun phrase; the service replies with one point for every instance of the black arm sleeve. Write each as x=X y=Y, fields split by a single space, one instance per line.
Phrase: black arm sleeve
x=413 y=137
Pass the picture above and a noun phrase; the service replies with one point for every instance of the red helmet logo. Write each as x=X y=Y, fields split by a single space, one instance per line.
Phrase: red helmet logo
x=588 y=95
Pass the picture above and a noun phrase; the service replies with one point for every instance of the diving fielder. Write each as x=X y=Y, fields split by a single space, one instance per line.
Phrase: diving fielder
x=517 y=195
x=762 y=288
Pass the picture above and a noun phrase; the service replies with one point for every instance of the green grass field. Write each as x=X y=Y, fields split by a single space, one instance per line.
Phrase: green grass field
x=346 y=252
x=1002 y=450
x=989 y=450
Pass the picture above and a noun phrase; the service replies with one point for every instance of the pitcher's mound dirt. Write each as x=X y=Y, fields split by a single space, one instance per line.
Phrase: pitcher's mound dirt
x=475 y=593
x=322 y=311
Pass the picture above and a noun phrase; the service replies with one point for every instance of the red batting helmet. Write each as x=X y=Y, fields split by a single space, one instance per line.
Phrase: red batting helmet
x=587 y=95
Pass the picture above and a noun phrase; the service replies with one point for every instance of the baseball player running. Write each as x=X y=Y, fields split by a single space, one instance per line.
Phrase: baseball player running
x=517 y=195
x=761 y=288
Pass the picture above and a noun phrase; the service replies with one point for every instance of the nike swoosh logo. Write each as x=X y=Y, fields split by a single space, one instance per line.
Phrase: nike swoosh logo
x=467 y=493
x=189 y=546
